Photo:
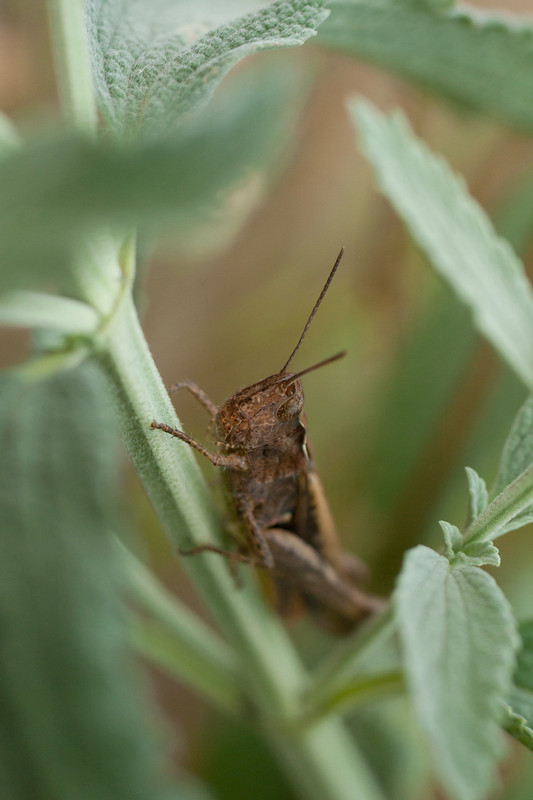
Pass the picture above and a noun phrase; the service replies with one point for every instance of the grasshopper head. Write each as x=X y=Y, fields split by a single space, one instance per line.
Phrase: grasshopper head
x=263 y=414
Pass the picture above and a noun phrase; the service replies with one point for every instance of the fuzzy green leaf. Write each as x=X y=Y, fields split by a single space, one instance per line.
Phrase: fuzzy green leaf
x=73 y=722
x=517 y=454
x=465 y=55
x=454 y=232
x=453 y=539
x=479 y=496
x=479 y=554
x=155 y=61
x=474 y=554
x=518 y=726
x=519 y=722
x=53 y=192
x=458 y=639
x=525 y=517
x=503 y=513
x=39 y=310
x=524 y=664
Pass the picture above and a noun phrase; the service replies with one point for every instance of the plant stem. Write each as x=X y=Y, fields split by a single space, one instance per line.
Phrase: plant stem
x=503 y=508
x=323 y=760
x=95 y=265
x=354 y=693
x=73 y=64
x=339 y=670
x=325 y=765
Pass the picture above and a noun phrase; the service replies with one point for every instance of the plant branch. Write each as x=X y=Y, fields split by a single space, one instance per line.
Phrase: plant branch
x=73 y=65
x=323 y=761
x=354 y=693
x=503 y=508
x=339 y=670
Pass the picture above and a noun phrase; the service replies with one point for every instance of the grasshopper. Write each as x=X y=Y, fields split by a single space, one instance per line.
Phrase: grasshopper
x=284 y=524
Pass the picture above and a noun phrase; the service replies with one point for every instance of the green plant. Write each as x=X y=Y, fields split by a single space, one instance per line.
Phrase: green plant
x=145 y=144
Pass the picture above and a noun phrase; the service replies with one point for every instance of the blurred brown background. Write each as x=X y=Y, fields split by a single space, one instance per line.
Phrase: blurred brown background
x=394 y=423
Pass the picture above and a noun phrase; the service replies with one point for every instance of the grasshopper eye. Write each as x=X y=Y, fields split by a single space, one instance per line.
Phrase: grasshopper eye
x=290 y=408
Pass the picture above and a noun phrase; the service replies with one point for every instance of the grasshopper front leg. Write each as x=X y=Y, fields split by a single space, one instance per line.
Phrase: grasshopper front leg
x=229 y=460
x=200 y=395
x=263 y=557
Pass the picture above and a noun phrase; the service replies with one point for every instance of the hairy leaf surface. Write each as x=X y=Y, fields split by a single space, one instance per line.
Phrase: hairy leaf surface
x=73 y=722
x=455 y=233
x=154 y=62
x=458 y=640
x=470 y=57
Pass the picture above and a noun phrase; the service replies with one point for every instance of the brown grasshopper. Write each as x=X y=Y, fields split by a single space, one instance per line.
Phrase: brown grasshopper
x=276 y=496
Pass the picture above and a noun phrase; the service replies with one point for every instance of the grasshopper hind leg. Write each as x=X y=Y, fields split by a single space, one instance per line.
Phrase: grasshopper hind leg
x=352 y=568
x=329 y=595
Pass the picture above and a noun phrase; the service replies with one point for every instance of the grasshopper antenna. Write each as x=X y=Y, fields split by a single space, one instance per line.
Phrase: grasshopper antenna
x=315 y=309
x=319 y=365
